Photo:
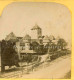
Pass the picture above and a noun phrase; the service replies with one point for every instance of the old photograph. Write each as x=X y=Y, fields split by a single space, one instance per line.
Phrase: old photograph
x=35 y=41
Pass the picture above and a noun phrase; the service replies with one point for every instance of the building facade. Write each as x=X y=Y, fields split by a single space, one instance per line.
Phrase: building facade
x=23 y=43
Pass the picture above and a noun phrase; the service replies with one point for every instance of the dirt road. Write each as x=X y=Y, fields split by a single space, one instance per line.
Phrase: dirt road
x=57 y=69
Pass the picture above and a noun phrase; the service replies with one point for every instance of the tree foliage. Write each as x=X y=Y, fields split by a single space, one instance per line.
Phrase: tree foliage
x=35 y=46
x=9 y=55
x=38 y=48
x=62 y=43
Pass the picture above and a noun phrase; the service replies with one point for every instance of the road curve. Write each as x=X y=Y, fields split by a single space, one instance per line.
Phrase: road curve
x=56 y=70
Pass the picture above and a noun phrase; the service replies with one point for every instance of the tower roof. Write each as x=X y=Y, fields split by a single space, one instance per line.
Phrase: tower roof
x=35 y=27
x=27 y=37
x=11 y=36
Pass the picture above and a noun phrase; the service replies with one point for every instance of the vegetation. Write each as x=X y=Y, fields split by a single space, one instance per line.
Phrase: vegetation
x=9 y=55
x=29 y=58
x=62 y=43
x=58 y=49
x=34 y=46
x=37 y=47
x=52 y=47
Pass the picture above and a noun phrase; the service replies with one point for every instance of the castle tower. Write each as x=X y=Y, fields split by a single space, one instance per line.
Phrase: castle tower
x=37 y=31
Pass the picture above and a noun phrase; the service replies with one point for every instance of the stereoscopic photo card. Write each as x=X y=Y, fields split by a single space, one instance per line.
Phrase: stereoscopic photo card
x=36 y=39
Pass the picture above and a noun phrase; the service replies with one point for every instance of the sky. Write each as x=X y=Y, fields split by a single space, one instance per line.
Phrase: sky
x=20 y=17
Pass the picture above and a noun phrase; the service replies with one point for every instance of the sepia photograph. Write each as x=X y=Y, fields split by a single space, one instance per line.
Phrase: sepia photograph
x=35 y=41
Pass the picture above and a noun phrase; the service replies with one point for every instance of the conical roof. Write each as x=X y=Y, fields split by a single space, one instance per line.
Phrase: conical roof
x=35 y=27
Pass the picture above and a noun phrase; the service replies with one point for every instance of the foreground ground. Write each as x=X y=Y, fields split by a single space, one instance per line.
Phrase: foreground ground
x=68 y=75
x=58 y=68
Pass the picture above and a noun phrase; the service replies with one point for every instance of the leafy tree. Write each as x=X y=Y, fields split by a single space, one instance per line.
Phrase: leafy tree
x=35 y=46
x=9 y=55
x=51 y=46
x=41 y=49
x=61 y=43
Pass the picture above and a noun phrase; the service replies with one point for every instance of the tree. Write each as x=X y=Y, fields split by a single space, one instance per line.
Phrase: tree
x=51 y=47
x=35 y=46
x=61 y=43
x=9 y=55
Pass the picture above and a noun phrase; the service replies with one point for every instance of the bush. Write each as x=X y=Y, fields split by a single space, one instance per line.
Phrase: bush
x=57 y=54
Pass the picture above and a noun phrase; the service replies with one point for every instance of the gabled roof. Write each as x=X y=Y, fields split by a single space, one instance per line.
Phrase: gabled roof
x=46 y=37
x=27 y=37
x=35 y=27
x=11 y=36
x=51 y=37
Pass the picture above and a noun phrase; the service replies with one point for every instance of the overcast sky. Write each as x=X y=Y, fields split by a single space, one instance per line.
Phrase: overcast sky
x=20 y=17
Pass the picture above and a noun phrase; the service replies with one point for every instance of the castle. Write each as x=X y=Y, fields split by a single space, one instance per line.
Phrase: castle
x=23 y=43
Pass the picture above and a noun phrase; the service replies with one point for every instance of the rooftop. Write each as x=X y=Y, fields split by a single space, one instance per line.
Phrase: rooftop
x=27 y=37
x=35 y=27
